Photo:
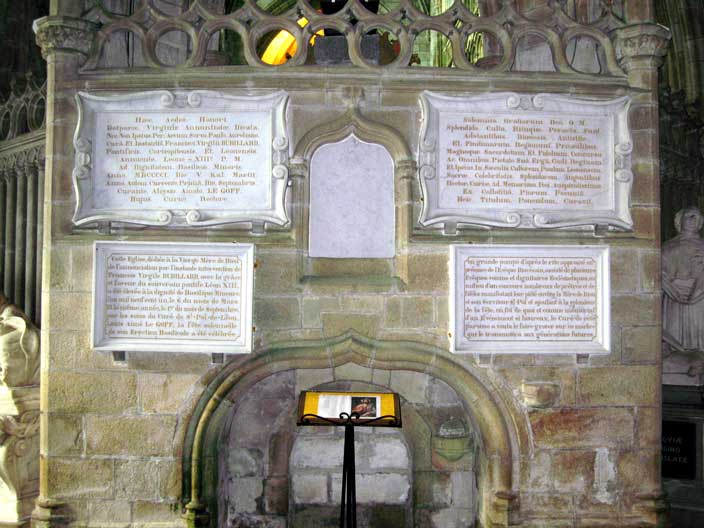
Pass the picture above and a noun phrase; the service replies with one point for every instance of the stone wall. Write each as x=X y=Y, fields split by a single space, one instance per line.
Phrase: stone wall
x=562 y=440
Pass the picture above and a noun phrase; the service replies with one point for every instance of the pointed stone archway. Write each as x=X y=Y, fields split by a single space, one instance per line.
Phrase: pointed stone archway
x=501 y=429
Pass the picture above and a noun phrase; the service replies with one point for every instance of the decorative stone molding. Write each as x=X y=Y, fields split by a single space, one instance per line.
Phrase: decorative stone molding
x=451 y=449
x=19 y=414
x=406 y=170
x=16 y=159
x=506 y=509
x=653 y=504
x=66 y=34
x=353 y=123
x=641 y=46
x=23 y=110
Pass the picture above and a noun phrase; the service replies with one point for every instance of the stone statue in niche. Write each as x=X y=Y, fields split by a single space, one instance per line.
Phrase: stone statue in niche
x=683 y=296
x=19 y=427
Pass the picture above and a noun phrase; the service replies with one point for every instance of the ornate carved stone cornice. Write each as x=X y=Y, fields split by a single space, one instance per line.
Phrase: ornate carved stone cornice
x=65 y=34
x=641 y=46
x=24 y=152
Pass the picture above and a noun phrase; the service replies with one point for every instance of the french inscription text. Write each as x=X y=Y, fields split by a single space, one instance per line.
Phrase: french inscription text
x=173 y=296
x=530 y=298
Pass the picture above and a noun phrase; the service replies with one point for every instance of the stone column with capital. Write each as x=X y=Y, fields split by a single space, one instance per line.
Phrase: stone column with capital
x=64 y=35
x=66 y=42
x=640 y=49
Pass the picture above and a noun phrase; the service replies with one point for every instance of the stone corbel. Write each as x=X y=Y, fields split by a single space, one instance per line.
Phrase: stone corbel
x=196 y=515
x=298 y=168
x=504 y=508
x=539 y=394
x=65 y=34
x=406 y=169
x=49 y=513
x=641 y=46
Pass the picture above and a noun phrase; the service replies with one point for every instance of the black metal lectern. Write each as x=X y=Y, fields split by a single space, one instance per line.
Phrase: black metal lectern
x=361 y=410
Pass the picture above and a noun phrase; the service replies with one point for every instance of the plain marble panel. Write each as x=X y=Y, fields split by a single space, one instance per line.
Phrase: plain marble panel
x=352 y=201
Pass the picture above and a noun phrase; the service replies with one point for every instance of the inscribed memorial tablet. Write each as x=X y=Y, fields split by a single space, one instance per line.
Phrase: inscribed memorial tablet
x=508 y=160
x=173 y=297
x=530 y=299
x=182 y=158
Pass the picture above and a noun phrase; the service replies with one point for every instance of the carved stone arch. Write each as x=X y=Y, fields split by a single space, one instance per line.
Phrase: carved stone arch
x=502 y=430
x=352 y=123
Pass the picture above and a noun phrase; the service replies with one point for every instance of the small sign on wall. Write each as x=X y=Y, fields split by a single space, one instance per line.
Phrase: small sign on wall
x=529 y=299
x=679 y=450
x=152 y=296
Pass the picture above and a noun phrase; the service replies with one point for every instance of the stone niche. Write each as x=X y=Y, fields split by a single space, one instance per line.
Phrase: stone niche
x=352 y=173
x=273 y=473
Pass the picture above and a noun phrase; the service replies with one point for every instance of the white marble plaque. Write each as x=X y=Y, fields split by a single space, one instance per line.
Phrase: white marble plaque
x=537 y=299
x=172 y=297
x=509 y=160
x=181 y=158
x=352 y=207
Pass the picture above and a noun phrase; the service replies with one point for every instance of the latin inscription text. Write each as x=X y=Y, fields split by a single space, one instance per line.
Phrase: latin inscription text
x=183 y=161
x=491 y=161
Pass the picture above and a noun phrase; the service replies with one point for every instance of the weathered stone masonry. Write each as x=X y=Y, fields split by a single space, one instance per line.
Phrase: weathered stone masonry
x=551 y=440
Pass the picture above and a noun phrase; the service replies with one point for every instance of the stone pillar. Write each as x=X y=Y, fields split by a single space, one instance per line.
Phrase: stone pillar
x=19 y=414
x=40 y=236
x=639 y=11
x=20 y=232
x=10 y=202
x=31 y=241
x=65 y=42
x=640 y=48
x=3 y=190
